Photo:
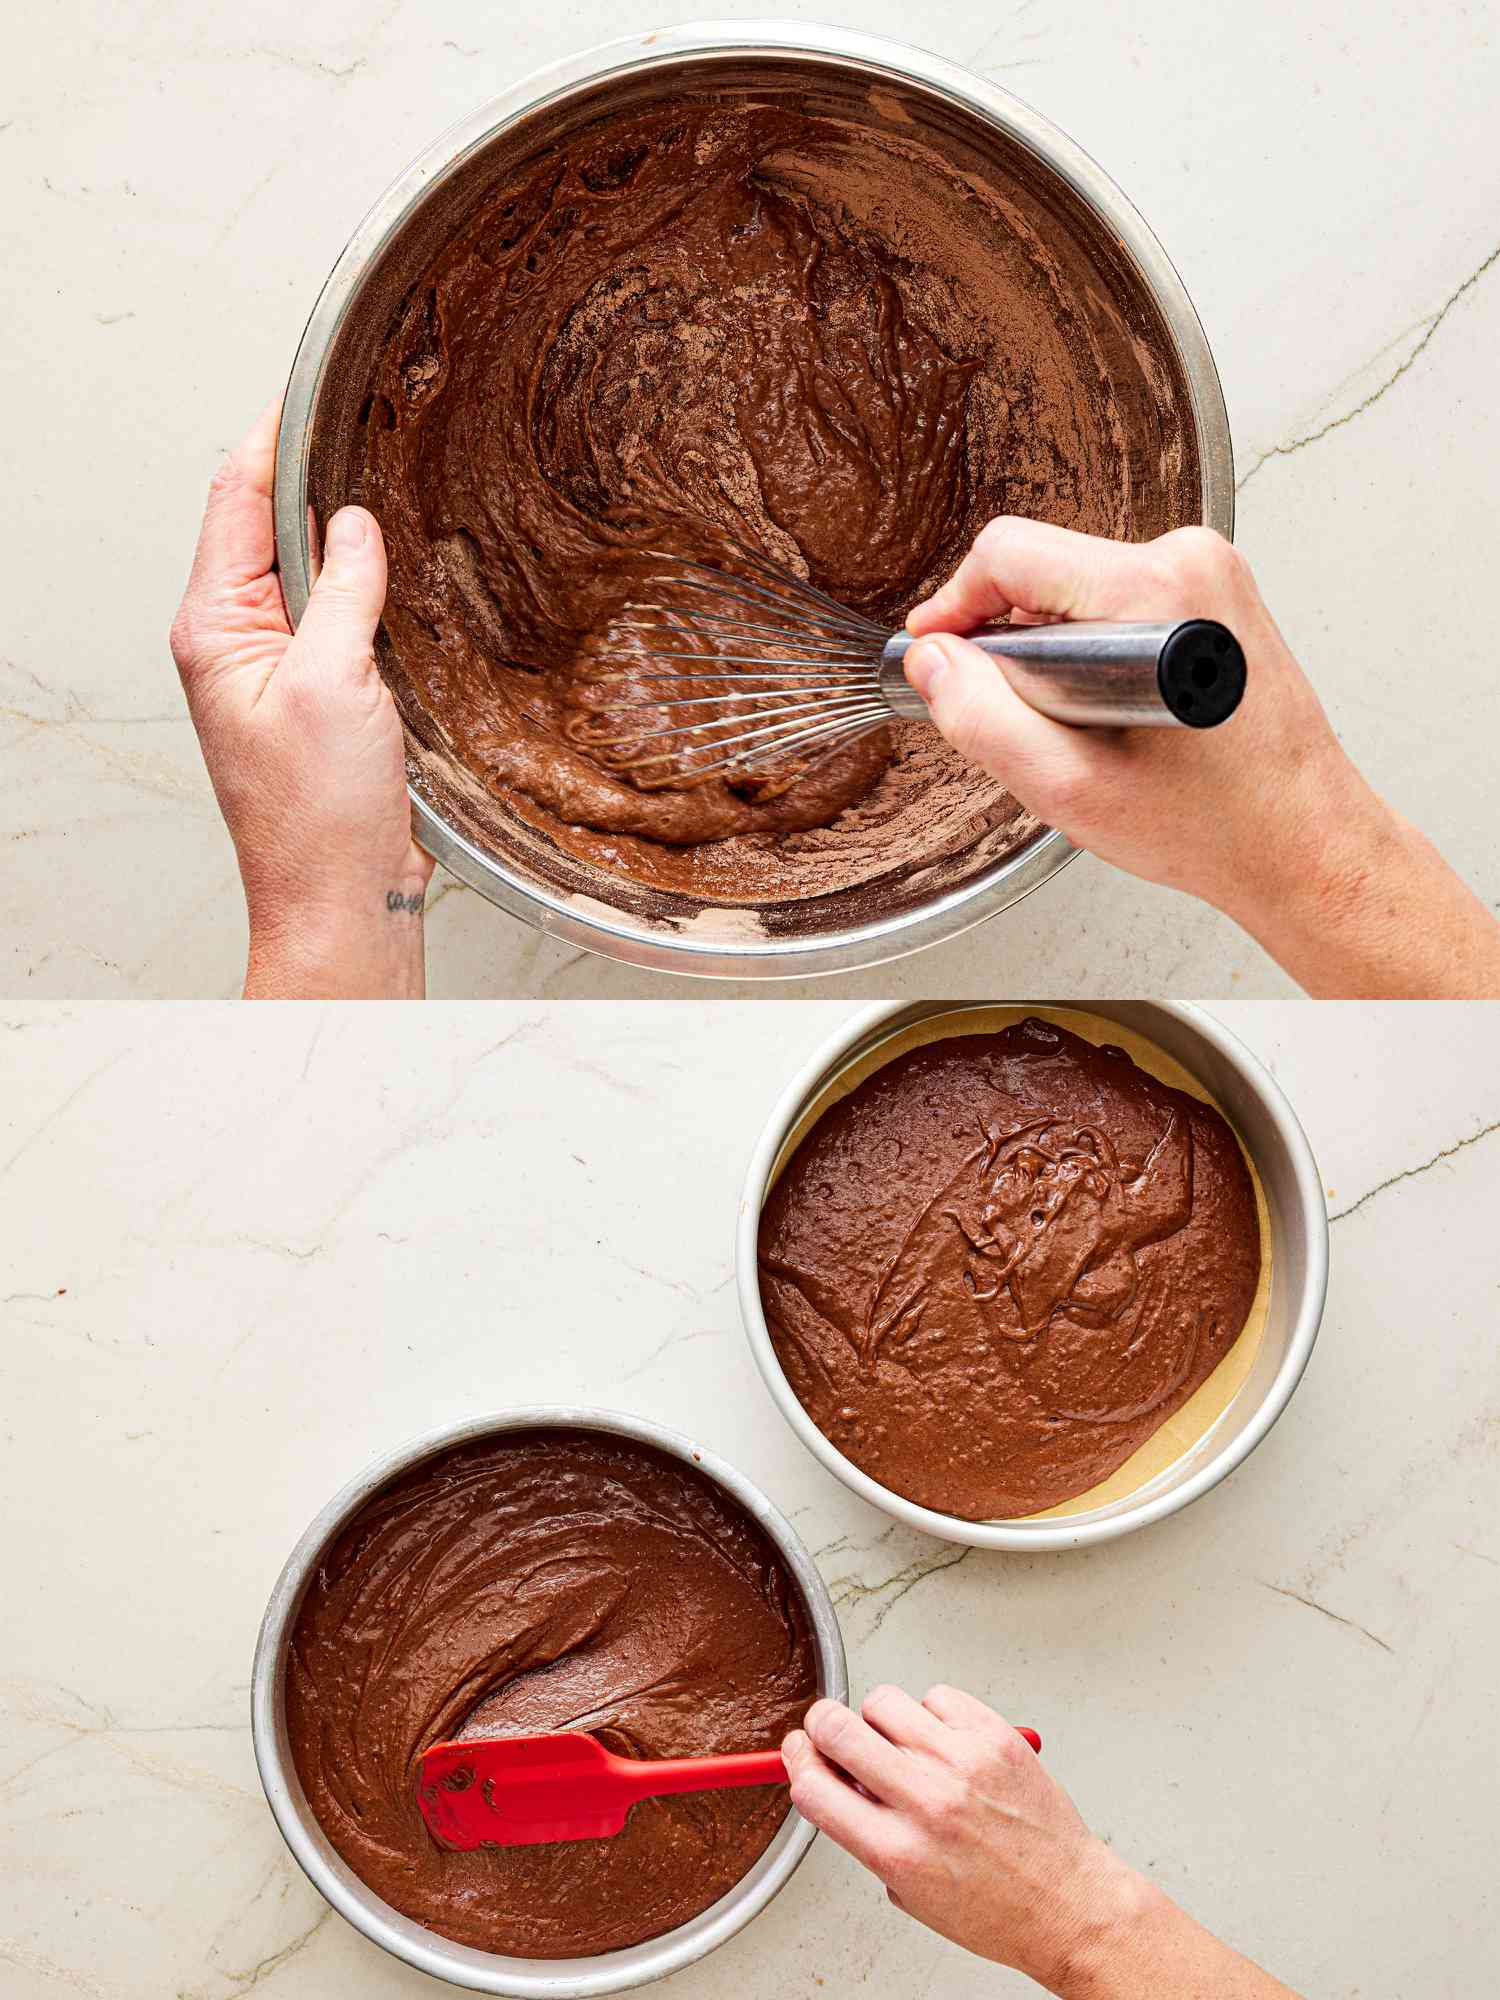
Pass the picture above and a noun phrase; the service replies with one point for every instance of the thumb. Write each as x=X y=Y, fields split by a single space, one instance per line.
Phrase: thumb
x=975 y=707
x=349 y=595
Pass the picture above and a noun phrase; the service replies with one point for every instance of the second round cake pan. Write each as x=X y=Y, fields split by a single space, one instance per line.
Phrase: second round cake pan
x=1294 y=1221
x=461 y=1965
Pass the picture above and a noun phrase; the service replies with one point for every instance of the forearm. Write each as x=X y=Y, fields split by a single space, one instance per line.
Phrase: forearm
x=371 y=947
x=1146 y=1948
x=1362 y=906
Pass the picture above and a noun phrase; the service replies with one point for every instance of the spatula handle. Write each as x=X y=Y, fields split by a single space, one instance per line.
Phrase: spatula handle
x=704 y=1774
x=658 y=1779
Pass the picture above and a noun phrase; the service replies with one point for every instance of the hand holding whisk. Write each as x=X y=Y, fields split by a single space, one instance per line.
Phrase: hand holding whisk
x=762 y=666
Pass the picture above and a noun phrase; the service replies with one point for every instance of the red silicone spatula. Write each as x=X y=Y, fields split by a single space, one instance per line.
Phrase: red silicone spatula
x=517 y=1791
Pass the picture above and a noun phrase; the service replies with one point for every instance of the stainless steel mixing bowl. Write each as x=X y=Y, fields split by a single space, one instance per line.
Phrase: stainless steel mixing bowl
x=1268 y=1127
x=489 y=1972
x=454 y=817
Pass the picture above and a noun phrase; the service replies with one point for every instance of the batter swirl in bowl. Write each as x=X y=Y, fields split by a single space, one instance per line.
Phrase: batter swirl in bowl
x=726 y=318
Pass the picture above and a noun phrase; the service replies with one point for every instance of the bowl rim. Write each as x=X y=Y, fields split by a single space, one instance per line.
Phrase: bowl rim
x=1044 y=1536
x=462 y=1965
x=582 y=922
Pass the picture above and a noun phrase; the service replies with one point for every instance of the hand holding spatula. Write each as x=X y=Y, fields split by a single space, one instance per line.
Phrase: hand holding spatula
x=518 y=1791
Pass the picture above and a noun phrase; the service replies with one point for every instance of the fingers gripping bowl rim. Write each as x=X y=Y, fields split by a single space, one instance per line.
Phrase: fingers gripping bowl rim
x=1298 y=1223
x=840 y=938
x=461 y=1965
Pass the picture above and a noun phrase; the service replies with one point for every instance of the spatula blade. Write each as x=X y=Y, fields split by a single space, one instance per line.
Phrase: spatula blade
x=522 y=1791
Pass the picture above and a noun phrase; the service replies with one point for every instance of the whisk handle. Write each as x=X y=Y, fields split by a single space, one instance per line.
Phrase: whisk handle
x=1099 y=675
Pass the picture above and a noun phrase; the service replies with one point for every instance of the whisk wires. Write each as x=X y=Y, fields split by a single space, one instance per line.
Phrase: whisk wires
x=801 y=677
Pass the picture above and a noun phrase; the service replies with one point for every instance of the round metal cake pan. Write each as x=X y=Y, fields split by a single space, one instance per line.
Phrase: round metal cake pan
x=1267 y=1126
x=461 y=1965
x=830 y=939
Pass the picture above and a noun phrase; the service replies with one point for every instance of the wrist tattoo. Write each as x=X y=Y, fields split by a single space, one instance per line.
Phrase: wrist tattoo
x=395 y=902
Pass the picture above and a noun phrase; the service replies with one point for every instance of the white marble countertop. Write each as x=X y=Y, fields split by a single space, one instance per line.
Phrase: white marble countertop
x=186 y=173
x=249 y=1249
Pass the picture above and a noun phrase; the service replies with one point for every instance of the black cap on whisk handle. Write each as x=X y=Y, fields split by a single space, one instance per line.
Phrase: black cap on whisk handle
x=1201 y=673
x=1099 y=675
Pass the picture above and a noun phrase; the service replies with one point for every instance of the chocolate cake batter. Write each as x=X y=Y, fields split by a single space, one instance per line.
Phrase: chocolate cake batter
x=1002 y=1262
x=724 y=316
x=532 y=1582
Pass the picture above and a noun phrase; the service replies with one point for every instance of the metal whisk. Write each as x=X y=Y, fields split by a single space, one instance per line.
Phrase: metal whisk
x=764 y=666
